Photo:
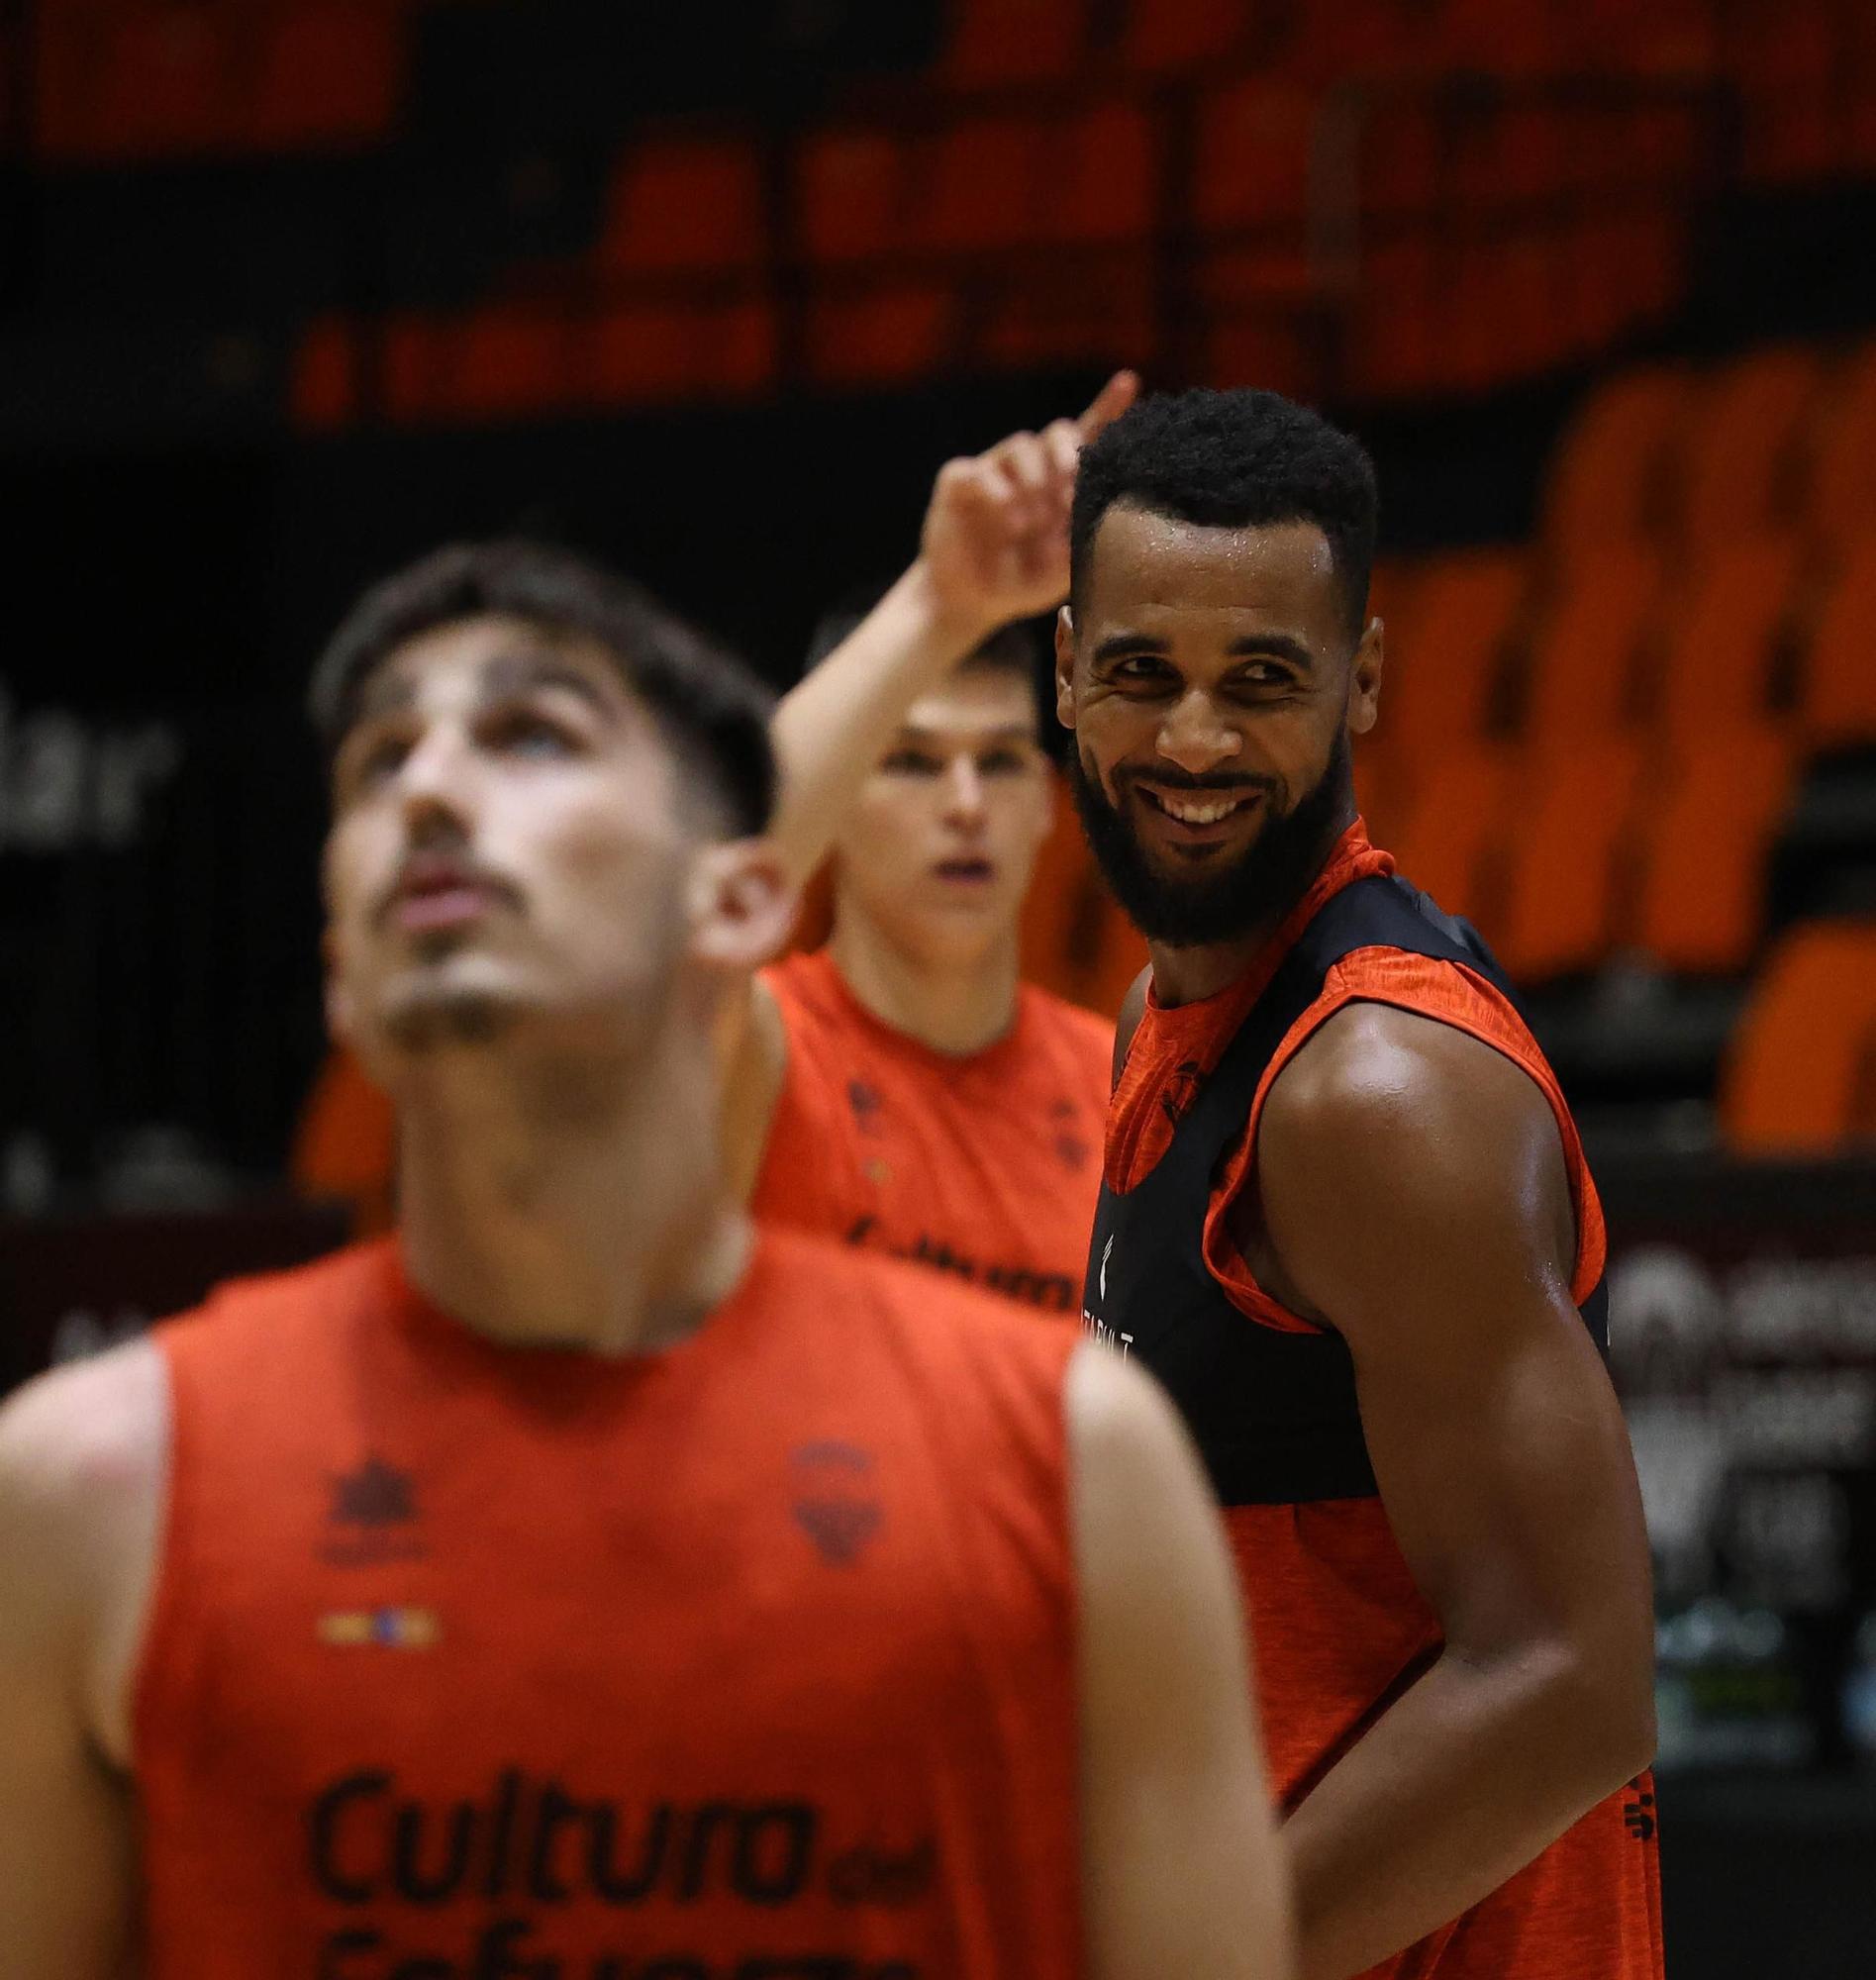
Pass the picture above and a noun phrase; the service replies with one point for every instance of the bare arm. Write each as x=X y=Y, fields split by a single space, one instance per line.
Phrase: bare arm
x=1412 y=1186
x=994 y=548
x=1183 y=1870
x=80 y=1466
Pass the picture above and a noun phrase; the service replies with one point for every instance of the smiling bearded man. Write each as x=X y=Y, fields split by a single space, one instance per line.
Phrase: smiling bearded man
x=1347 y=1219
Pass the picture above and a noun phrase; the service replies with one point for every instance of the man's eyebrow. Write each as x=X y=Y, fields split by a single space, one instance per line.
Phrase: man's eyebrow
x=516 y=673
x=917 y=736
x=1268 y=645
x=384 y=694
x=1272 y=645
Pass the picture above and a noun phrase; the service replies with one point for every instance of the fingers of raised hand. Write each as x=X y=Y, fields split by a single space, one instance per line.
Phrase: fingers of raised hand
x=1109 y=404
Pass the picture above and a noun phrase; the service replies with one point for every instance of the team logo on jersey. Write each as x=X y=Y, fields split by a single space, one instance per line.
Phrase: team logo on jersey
x=1637 y=1815
x=839 y=1506
x=1182 y=1089
x=388 y=1628
x=372 y=1517
x=1107 y=1251
x=866 y=1105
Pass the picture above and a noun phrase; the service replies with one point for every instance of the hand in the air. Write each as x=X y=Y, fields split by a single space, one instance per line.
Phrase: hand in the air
x=995 y=543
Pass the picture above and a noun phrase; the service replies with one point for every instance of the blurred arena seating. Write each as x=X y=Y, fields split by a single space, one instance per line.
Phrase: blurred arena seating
x=1644 y=755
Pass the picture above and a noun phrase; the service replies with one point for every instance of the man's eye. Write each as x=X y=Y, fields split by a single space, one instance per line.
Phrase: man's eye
x=1266 y=673
x=911 y=764
x=533 y=735
x=1002 y=764
x=1143 y=668
x=374 y=761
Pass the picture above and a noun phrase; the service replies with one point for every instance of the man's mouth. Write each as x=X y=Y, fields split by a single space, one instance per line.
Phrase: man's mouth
x=433 y=893
x=966 y=872
x=1199 y=811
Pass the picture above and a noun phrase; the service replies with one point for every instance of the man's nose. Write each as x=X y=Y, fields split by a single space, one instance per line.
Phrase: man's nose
x=1195 y=736
x=434 y=785
x=963 y=792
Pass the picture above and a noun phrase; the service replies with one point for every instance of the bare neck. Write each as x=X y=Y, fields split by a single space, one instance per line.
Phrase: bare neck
x=557 y=1197
x=957 y=1004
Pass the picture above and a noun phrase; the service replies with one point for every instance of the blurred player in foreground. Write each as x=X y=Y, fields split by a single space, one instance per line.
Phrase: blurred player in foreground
x=581 y=1583
x=1347 y=1220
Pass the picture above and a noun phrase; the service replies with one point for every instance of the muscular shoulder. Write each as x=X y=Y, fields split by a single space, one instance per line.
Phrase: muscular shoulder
x=1375 y=1081
x=1393 y=1143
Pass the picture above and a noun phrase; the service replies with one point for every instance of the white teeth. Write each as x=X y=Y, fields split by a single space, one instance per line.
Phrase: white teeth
x=1197 y=814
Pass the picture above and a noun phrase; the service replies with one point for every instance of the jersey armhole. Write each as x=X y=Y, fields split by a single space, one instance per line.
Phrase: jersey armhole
x=1451 y=994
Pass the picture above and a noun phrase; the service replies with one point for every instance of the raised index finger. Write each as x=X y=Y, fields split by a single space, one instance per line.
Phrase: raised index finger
x=1109 y=403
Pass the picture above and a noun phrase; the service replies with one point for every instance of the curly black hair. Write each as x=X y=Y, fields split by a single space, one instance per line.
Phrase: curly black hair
x=1235 y=460
x=713 y=711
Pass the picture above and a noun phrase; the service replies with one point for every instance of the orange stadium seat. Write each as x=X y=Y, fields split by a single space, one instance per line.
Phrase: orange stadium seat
x=850 y=194
x=1699 y=900
x=1584 y=669
x=882 y=335
x=1252 y=156
x=1105 y=315
x=406 y=358
x=1842 y=492
x=1101 y=180
x=1490 y=36
x=681 y=203
x=1013 y=41
x=1838 y=699
x=1742 y=441
x=1396 y=337
x=165 y=84
x=1721 y=636
x=1326 y=45
x=323 y=376
x=1577 y=807
x=1799 y=1075
x=330 y=75
x=1443 y=663
x=644 y=353
x=1605 y=479
x=1453 y=829
x=507 y=360
x=981 y=183
x=1402 y=154
x=1163 y=35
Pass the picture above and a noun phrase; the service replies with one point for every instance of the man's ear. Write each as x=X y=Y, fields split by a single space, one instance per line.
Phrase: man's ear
x=1066 y=667
x=741 y=904
x=1365 y=691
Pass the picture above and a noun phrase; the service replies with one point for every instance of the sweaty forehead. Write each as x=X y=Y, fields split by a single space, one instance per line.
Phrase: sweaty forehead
x=1148 y=571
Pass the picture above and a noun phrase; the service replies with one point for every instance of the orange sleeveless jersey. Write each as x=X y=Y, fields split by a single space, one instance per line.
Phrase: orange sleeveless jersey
x=749 y=1660
x=1339 y=1624
x=986 y=1167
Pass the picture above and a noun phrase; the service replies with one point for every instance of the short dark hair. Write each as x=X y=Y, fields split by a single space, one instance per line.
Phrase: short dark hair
x=711 y=708
x=1233 y=461
x=1011 y=648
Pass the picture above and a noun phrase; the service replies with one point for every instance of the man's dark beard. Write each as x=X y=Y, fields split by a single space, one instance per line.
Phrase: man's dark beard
x=1252 y=893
